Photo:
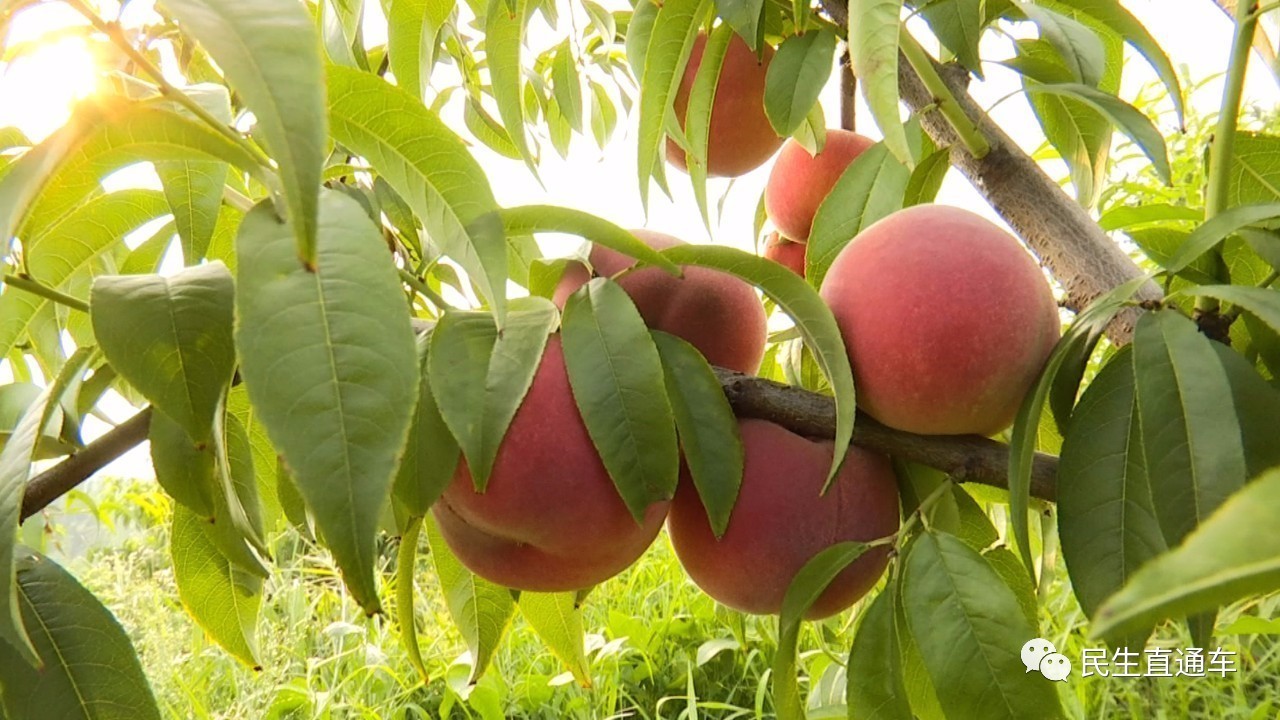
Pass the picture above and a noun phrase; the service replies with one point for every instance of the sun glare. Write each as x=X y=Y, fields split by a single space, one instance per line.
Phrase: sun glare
x=39 y=88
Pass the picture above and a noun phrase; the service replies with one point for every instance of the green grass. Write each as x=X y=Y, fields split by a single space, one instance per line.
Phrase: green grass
x=658 y=647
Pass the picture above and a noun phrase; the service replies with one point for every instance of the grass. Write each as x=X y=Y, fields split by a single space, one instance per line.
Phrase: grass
x=658 y=647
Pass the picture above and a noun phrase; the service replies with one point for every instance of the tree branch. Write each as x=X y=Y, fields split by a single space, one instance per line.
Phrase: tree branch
x=60 y=479
x=1058 y=230
x=967 y=458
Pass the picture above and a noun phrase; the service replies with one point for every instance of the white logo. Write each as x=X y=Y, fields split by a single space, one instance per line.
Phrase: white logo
x=1041 y=656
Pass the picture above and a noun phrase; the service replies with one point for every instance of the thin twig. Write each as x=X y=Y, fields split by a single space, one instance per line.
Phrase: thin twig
x=29 y=285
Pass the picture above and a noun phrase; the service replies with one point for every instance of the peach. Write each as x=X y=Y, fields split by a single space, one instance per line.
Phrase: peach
x=786 y=252
x=716 y=312
x=550 y=519
x=781 y=520
x=799 y=182
x=740 y=137
x=947 y=320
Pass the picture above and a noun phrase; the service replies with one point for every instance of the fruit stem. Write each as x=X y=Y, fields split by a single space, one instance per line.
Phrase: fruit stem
x=1222 y=146
x=970 y=136
x=421 y=288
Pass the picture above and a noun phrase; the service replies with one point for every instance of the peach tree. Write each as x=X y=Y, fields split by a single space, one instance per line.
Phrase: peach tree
x=353 y=337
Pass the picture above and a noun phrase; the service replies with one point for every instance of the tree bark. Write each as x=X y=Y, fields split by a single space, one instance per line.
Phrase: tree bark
x=1079 y=255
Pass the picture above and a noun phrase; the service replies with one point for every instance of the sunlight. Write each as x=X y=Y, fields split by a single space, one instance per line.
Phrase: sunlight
x=42 y=86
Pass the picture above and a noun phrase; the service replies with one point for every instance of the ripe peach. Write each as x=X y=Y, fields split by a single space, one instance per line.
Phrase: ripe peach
x=799 y=182
x=714 y=311
x=947 y=319
x=551 y=519
x=781 y=520
x=740 y=137
x=786 y=252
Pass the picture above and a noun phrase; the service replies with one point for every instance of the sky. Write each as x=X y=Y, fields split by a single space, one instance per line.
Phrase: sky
x=38 y=90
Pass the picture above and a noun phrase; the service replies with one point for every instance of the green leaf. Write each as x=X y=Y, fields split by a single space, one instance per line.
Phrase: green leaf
x=1257 y=406
x=183 y=469
x=958 y=26
x=406 y=568
x=873 y=47
x=1079 y=47
x=430 y=454
x=1258 y=158
x=431 y=169
x=811 y=315
x=1113 y=15
x=697 y=121
x=709 y=439
x=616 y=376
x=1216 y=229
x=350 y=376
x=746 y=17
x=557 y=620
x=15 y=465
x=1107 y=524
x=639 y=32
x=969 y=627
x=1264 y=303
x=795 y=78
x=1124 y=116
x=91 y=670
x=220 y=597
x=407 y=35
x=604 y=116
x=26 y=178
x=480 y=609
x=1076 y=341
x=194 y=187
x=529 y=219
x=805 y=589
x=171 y=338
x=926 y=179
x=876 y=687
x=479 y=377
x=1190 y=434
x=1124 y=217
x=266 y=463
x=566 y=86
x=670 y=43
x=1009 y=567
x=69 y=248
x=1233 y=554
x=487 y=130
x=872 y=187
x=504 y=39
x=270 y=54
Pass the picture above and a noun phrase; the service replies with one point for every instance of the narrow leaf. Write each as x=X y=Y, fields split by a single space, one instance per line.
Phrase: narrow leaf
x=406 y=569
x=194 y=187
x=709 y=439
x=430 y=454
x=795 y=78
x=222 y=598
x=872 y=187
x=557 y=619
x=873 y=48
x=616 y=376
x=528 y=219
x=270 y=54
x=697 y=124
x=811 y=315
x=504 y=38
x=566 y=86
x=1077 y=45
x=1124 y=116
x=876 y=687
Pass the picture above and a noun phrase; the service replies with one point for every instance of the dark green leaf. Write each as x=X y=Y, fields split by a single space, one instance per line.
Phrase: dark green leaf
x=616 y=376
x=430 y=454
x=479 y=378
x=1218 y=228
x=812 y=317
x=926 y=179
x=1124 y=116
x=1257 y=406
x=709 y=439
x=406 y=569
x=876 y=688
x=1077 y=45
x=194 y=187
x=351 y=375
x=969 y=627
x=1233 y=554
x=91 y=670
x=171 y=338
x=746 y=17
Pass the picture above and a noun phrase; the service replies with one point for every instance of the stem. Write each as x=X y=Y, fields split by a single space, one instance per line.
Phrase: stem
x=167 y=89
x=26 y=284
x=421 y=288
x=1222 y=147
x=236 y=200
x=966 y=130
x=848 y=94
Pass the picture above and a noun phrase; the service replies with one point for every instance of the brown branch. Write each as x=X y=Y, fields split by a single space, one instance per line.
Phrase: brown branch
x=60 y=479
x=967 y=458
x=1083 y=259
x=848 y=94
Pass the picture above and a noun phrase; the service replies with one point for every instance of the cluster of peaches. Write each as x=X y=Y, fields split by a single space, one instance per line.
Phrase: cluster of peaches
x=947 y=321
